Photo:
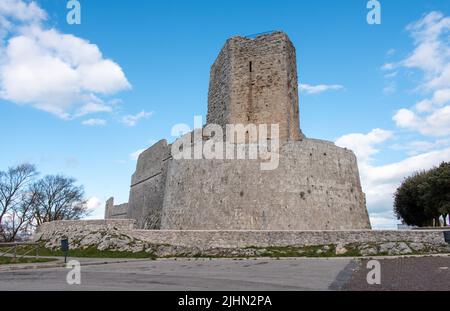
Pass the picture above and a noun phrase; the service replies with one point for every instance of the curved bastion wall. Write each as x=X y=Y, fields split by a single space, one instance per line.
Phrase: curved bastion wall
x=315 y=187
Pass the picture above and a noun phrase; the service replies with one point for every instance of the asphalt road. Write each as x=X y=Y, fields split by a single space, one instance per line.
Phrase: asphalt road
x=421 y=273
x=407 y=274
x=218 y=274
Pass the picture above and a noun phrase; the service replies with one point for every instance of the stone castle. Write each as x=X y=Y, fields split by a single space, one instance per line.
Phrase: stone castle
x=315 y=187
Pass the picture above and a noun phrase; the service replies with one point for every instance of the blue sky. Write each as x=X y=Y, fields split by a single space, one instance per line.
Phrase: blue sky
x=147 y=64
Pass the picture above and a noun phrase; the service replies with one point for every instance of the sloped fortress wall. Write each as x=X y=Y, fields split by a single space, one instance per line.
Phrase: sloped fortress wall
x=316 y=187
x=148 y=186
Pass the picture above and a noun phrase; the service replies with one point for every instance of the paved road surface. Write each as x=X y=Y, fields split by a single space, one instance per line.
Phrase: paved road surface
x=410 y=274
x=219 y=274
x=423 y=273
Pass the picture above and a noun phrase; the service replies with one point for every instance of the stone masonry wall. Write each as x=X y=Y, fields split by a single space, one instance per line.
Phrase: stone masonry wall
x=115 y=211
x=233 y=239
x=241 y=239
x=315 y=187
x=254 y=81
x=220 y=88
x=48 y=228
x=148 y=185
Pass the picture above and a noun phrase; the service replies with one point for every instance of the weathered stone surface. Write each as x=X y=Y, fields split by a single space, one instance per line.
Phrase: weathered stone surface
x=315 y=187
x=340 y=249
x=368 y=250
x=148 y=186
x=115 y=211
x=400 y=248
x=92 y=238
x=119 y=235
x=255 y=81
x=417 y=246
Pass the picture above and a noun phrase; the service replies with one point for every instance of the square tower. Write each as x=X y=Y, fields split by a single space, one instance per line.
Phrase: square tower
x=254 y=81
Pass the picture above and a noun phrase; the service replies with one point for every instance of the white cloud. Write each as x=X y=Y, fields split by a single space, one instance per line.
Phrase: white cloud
x=391 y=75
x=431 y=55
x=391 y=85
x=396 y=171
x=132 y=120
x=383 y=221
x=364 y=144
x=432 y=51
x=388 y=66
x=20 y=10
x=436 y=124
x=440 y=80
x=317 y=89
x=135 y=155
x=92 y=104
x=94 y=122
x=425 y=105
x=391 y=52
x=406 y=118
x=416 y=147
x=441 y=96
x=429 y=117
x=51 y=71
x=380 y=182
x=97 y=208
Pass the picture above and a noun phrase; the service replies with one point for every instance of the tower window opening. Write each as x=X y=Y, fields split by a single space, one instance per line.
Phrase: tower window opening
x=250 y=66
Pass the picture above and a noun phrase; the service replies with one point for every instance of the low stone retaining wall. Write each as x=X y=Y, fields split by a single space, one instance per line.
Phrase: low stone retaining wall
x=92 y=225
x=239 y=239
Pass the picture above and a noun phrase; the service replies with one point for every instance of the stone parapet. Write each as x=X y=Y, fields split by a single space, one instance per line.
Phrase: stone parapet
x=211 y=239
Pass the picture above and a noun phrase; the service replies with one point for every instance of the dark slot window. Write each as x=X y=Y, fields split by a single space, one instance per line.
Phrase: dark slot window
x=250 y=66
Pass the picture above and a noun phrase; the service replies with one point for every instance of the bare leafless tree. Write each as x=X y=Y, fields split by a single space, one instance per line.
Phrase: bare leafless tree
x=15 y=200
x=19 y=220
x=58 y=198
x=26 y=203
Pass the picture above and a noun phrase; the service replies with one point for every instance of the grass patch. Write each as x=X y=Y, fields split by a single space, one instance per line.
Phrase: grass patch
x=352 y=250
x=306 y=251
x=90 y=252
x=93 y=252
x=9 y=260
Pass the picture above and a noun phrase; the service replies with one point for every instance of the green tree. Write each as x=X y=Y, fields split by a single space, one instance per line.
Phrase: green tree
x=408 y=204
x=424 y=197
x=436 y=193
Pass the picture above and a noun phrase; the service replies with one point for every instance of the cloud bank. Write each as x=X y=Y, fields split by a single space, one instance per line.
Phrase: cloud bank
x=321 y=88
x=58 y=73
x=431 y=57
x=425 y=124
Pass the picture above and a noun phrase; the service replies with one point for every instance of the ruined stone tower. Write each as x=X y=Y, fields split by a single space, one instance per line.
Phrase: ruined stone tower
x=315 y=187
x=255 y=81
